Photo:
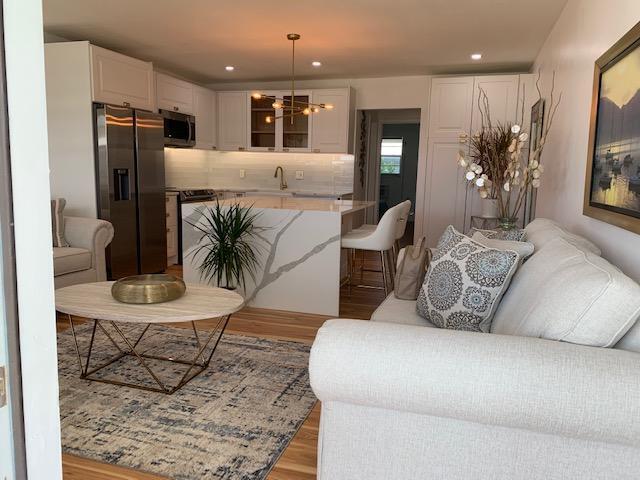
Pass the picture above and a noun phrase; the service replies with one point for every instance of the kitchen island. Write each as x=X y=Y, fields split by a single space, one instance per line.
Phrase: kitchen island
x=297 y=245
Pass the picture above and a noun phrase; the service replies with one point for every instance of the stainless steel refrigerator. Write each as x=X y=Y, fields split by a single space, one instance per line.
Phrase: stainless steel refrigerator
x=131 y=188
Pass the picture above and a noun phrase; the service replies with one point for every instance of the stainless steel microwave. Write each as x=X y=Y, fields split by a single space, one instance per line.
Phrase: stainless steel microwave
x=179 y=129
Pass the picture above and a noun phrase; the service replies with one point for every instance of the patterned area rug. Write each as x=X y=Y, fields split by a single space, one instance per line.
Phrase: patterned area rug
x=231 y=422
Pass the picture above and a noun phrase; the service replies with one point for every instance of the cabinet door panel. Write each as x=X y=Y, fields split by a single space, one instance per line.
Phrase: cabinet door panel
x=331 y=127
x=232 y=120
x=174 y=94
x=121 y=80
x=502 y=92
x=204 y=104
x=446 y=190
x=450 y=113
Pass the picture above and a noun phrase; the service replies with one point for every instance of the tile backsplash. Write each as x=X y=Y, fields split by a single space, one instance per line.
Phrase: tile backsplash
x=192 y=168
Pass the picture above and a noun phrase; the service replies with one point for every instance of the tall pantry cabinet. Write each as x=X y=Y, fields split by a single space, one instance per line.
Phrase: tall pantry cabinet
x=453 y=117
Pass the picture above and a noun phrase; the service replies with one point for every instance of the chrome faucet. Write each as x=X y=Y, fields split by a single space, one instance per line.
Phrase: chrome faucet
x=283 y=182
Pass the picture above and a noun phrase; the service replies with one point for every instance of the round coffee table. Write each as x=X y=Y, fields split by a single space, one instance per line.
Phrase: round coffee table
x=94 y=301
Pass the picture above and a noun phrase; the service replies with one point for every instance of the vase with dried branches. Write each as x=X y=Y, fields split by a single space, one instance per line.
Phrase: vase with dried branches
x=495 y=164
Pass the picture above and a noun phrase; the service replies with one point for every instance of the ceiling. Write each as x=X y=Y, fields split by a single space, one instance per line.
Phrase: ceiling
x=352 y=38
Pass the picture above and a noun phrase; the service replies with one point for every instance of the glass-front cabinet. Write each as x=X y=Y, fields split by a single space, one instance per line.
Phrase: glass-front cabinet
x=272 y=129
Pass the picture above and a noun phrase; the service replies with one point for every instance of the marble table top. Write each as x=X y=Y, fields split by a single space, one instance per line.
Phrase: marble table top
x=343 y=207
x=94 y=300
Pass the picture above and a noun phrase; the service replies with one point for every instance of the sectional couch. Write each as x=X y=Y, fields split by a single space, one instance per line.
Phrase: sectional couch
x=553 y=392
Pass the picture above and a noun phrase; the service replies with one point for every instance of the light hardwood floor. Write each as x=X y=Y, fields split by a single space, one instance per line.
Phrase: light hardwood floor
x=298 y=462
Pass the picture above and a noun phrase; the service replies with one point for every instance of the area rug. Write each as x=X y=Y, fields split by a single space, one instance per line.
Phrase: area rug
x=233 y=421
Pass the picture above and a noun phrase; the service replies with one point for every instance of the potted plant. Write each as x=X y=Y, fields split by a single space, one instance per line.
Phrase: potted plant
x=495 y=165
x=225 y=249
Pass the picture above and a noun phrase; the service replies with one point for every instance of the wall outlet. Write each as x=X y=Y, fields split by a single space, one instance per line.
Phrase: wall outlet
x=299 y=174
x=242 y=173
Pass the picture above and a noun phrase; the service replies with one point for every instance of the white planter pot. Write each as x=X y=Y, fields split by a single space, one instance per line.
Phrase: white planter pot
x=489 y=208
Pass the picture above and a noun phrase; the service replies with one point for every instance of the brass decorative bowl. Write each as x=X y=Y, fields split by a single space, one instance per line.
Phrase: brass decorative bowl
x=155 y=288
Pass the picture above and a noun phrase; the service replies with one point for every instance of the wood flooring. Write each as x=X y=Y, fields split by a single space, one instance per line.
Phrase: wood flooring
x=298 y=461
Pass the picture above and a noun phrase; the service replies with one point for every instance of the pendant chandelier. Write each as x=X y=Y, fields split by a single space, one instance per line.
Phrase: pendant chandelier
x=291 y=108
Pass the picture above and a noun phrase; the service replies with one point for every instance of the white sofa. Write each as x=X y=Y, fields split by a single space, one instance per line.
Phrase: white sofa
x=84 y=260
x=401 y=401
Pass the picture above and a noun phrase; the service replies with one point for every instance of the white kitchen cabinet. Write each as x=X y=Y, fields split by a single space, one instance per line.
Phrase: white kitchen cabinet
x=174 y=94
x=120 y=80
x=332 y=130
x=450 y=107
x=446 y=189
x=232 y=120
x=453 y=117
x=502 y=93
x=282 y=134
x=204 y=109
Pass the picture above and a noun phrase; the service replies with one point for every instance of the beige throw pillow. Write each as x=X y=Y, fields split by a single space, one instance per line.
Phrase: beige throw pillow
x=524 y=249
x=57 y=222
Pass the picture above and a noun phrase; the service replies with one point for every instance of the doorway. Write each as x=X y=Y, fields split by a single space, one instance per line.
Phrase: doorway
x=387 y=162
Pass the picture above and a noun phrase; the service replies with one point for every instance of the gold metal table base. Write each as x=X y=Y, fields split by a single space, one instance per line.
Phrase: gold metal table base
x=195 y=367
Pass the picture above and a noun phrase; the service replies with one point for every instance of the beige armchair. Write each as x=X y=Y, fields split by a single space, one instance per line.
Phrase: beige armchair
x=84 y=260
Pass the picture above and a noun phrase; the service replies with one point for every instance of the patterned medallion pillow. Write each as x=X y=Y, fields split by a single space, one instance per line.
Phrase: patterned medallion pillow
x=465 y=283
x=57 y=222
x=515 y=235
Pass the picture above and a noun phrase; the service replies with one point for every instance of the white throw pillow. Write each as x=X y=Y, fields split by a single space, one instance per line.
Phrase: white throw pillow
x=543 y=230
x=523 y=249
x=465 y=283
x=513 y=235
x=563 y=293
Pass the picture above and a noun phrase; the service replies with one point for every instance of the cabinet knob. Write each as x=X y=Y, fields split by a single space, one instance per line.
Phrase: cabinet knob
x=167 y=230
x=213 y=147
x=271 y=149
x=176 y=109
x=167 y=214
x=241 y=149
x=167 y=198
x=126 y=104
x=316 y=150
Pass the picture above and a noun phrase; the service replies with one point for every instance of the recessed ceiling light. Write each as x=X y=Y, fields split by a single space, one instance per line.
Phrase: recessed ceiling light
x=476 y=56
x=229 y=68
x=316 y=63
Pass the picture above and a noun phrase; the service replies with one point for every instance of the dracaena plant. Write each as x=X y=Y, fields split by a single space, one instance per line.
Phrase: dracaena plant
x=495 y=164
x=226 y=250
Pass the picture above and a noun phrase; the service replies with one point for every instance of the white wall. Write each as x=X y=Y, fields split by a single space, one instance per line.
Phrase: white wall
x=584 y=31
x=70 y=119
x=372 y=94
x=31 y=210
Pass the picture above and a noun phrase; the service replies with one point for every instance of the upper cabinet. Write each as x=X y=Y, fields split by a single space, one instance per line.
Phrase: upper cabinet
x=272 y=130
x=232 y=120
x=454 y=116
x=174 y=94
x=120 y=80
x=332 y=130
x=502 y=94
x=204 y=109
x=450 y=107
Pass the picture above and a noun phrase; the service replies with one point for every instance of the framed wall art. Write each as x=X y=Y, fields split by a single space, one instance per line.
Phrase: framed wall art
x=612 y=187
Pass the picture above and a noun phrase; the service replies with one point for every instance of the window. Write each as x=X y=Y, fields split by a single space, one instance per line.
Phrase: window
x=390 y=156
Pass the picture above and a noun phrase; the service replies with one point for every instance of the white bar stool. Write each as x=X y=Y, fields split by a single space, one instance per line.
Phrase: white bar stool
x=400 y=227
x=381 y=239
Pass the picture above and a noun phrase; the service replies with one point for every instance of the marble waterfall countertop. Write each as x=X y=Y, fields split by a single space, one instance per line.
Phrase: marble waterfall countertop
x=297 y=244
x=343 y=207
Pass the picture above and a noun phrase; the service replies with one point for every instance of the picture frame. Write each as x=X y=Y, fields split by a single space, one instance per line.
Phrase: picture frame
x=536 y=124
x=612 y=180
